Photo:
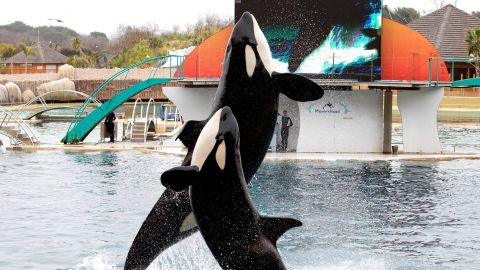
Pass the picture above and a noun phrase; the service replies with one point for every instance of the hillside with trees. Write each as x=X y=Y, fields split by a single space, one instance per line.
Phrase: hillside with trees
x=129 y=44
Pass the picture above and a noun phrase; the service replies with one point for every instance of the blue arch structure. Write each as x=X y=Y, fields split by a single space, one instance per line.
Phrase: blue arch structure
x=81 y=130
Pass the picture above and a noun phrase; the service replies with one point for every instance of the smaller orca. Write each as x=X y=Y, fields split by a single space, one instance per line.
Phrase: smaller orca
x=238 y=237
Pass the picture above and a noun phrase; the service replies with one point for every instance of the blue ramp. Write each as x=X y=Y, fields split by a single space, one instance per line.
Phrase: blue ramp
x=81 y=130
x=475 y=82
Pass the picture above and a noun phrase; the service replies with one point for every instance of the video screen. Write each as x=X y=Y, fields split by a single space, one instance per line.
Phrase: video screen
x=321 y=38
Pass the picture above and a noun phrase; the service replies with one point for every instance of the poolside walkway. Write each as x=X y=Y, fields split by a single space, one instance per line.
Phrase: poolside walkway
x=172 y=149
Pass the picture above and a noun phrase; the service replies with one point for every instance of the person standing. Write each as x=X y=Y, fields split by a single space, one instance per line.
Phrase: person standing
x=3 y=149
x=286 y=124
x=110 y=125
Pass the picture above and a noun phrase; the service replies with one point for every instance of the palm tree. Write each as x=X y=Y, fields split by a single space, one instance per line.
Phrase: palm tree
x=27 y=51
x=473 y=42
x=77 y=44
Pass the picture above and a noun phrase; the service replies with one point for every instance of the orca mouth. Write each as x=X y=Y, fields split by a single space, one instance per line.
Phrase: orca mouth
x=220 y=137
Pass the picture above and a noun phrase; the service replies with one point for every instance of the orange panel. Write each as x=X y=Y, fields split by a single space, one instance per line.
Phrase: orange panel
x=206 y=60
x=405 y=55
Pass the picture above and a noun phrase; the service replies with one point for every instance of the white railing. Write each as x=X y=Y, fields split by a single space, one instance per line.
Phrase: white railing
x=176 y=116
x=150 y=114
x=147 y=122
x=132 y=122
x=11 y=116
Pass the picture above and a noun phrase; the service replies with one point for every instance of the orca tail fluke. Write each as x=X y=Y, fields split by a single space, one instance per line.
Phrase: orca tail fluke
x=160 y=230
x=274 y=227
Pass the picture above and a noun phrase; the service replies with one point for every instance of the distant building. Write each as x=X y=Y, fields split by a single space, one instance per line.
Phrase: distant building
x=45 y=60
x=447 y=29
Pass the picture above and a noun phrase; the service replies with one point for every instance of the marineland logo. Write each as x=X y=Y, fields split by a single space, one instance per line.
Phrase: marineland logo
x=329 y=107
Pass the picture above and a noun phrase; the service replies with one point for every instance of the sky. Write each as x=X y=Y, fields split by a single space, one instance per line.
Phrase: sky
x=86 y=16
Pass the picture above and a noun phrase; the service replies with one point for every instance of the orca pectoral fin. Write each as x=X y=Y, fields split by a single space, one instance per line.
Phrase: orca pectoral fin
x=274 y=227
x=297 y=87
x=188 y=135
x=180 y=178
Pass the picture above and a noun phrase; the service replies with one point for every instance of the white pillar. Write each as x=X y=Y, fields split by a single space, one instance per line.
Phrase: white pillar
x=387 y=122
x=192 y=103
x=419 y=118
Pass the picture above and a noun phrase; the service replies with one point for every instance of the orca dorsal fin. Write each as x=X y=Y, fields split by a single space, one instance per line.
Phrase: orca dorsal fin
x=274 y=227
x=297 y=87
x=180 y=178
x=188 y=135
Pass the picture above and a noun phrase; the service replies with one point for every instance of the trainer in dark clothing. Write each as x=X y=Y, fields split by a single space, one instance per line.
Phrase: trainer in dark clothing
x=286 y=124
x=110 y=125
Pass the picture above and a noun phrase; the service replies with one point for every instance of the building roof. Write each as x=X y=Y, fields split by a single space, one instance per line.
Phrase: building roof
x=447 y=28
x=43 y=55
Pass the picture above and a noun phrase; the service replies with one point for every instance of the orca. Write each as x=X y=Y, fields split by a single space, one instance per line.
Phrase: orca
x=250 y=86
x=236 y=234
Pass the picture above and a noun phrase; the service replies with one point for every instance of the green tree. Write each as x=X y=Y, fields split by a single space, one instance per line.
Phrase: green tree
x=27 y=50
x=77 y=44
x=140 y=51
x=82 y=61
x=476 y=14
x=7 y=50
x=18 y=26
x=96 y=34
x=473 y=42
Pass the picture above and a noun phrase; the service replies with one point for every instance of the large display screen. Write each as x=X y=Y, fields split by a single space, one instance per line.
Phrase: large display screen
x=321 y=38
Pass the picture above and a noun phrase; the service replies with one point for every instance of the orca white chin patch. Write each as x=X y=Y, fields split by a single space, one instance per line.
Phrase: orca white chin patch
x=220 y=156
x=250 y=60
x=206 y=141
x=188 y=223
x=263 y=48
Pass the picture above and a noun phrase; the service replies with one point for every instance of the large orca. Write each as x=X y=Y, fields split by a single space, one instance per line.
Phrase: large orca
x=250 y=86
x=238 y=237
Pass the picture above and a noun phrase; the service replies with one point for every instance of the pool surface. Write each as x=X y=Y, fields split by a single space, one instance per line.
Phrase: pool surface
x=70 y=210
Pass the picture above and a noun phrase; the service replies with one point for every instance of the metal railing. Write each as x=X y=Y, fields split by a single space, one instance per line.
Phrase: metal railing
x=10 y=116
x=158 y=62
x=147 y=122
x=176 y=117
x=434 y=63
x=22 y=111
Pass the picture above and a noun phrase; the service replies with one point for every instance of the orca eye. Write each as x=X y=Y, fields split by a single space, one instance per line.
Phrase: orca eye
x=220 y=155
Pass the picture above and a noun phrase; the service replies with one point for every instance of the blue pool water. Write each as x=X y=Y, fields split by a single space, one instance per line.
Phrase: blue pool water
x=69 y=210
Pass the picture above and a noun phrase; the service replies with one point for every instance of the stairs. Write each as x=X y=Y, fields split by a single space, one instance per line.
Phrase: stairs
x=18 y=136
x=138 y=132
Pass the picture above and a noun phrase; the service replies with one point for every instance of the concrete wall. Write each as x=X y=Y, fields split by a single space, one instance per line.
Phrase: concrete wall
x=342 y=122
x=352 y=122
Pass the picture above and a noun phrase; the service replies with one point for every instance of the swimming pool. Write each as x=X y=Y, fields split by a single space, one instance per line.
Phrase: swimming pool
x=70 y=210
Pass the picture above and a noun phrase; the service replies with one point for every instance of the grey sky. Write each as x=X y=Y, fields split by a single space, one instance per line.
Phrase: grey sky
x=86 y=16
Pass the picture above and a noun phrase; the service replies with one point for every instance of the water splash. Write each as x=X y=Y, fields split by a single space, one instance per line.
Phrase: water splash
x=341 y=49
x=96 y=262
x=374 y=18
x=191 y=253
